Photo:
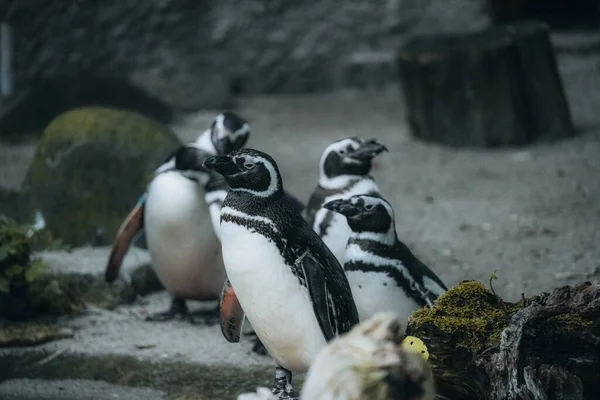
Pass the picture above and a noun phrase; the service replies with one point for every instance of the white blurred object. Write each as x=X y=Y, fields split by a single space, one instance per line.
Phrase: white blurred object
x=262 y=393
x=369 y=363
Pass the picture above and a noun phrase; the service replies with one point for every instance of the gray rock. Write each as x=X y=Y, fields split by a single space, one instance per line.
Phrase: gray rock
x=204 y=88
x=264 y=46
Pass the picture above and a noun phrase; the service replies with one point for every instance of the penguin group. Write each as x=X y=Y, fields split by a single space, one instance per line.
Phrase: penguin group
x=220 y=225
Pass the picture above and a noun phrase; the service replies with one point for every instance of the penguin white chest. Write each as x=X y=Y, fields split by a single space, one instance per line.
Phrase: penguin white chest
x=274 y=302
x=185 y=251
x=375 y=290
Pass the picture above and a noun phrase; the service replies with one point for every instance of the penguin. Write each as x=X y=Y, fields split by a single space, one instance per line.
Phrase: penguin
x=369 y=362
x=383 y=272
x=175 y=215
x=281 y=276
x=343 y=171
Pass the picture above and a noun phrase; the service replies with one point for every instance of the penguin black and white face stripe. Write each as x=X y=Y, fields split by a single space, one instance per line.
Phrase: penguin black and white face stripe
x=347 y=157
x=369 y=217
x=248 y=170
x=229 y=132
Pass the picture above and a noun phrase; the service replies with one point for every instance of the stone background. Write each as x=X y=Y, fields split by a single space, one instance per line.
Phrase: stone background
x=187 y=52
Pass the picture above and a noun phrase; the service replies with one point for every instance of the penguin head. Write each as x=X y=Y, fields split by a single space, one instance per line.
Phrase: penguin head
x=365 y=213
x=187 y=161
x=229 y=132
x=248 y=170
x=349 y=156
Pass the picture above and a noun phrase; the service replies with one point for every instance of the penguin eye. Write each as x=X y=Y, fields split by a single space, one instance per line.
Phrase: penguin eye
x=368 y=207
x=341 y=152
x=249 y=165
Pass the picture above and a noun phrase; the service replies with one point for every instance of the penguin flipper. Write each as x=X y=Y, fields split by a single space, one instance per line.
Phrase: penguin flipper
x=322 y=300
x=132 y=224
x=231 y=314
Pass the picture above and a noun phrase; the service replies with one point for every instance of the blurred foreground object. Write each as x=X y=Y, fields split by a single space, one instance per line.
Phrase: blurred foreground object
x=492 y=88
x=543 y=347
x=89 y=169
x=369 y=362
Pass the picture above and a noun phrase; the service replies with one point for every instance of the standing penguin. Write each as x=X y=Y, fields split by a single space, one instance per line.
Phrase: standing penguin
x=343 y=171
x=175 y=216
x=282 y=276
x=383 y=273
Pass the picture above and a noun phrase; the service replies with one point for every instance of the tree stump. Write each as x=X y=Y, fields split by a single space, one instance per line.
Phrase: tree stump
x=545 y=347
x=496 y=87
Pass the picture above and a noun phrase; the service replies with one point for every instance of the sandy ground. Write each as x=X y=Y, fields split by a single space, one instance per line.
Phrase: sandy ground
x=532 y=213
x=35 y=389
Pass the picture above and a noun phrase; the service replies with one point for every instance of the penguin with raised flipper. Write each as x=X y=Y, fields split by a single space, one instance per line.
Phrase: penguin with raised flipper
x=281 y=275
x=343 y=171
x=383 y=272
x=175 y=216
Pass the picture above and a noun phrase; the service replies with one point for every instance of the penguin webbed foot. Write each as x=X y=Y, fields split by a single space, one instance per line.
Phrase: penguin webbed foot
x=178 y=308
x=205 y=317
x=258 y=347
x=282 y=385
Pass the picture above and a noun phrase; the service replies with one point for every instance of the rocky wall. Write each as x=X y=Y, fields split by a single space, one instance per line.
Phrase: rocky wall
x=188 y=52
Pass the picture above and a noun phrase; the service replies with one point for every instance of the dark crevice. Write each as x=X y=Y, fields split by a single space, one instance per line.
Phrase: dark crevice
x=32 y=109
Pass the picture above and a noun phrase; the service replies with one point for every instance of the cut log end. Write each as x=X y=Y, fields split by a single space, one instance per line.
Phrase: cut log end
x=496 y=87
x=481 y=347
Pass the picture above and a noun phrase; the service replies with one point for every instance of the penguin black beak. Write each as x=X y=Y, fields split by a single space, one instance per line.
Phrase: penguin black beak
x=367 y=151
x=224 y=165
x=344 y=207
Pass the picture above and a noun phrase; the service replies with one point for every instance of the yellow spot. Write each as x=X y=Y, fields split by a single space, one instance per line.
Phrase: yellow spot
x=415 y=344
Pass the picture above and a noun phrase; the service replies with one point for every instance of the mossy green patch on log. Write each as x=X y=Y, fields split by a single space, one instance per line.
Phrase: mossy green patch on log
x=90 y=167
x=474 y=337
x=469 y=313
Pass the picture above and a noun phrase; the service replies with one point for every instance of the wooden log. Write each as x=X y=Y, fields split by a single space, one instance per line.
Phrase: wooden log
x=496 y=87
x=545 y=347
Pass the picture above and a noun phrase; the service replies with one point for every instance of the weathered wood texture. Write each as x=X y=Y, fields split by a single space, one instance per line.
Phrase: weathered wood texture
x=546 y=347
x=496 y=87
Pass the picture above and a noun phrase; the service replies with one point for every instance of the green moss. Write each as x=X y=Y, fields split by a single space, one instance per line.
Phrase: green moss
x=469 y=313
x=17 y=267
x=50 y=296
x=28 y=334
x=567 y=323
x=90 y=168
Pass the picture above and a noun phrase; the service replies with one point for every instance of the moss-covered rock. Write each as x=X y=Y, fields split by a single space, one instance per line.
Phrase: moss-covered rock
x=90 y=167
